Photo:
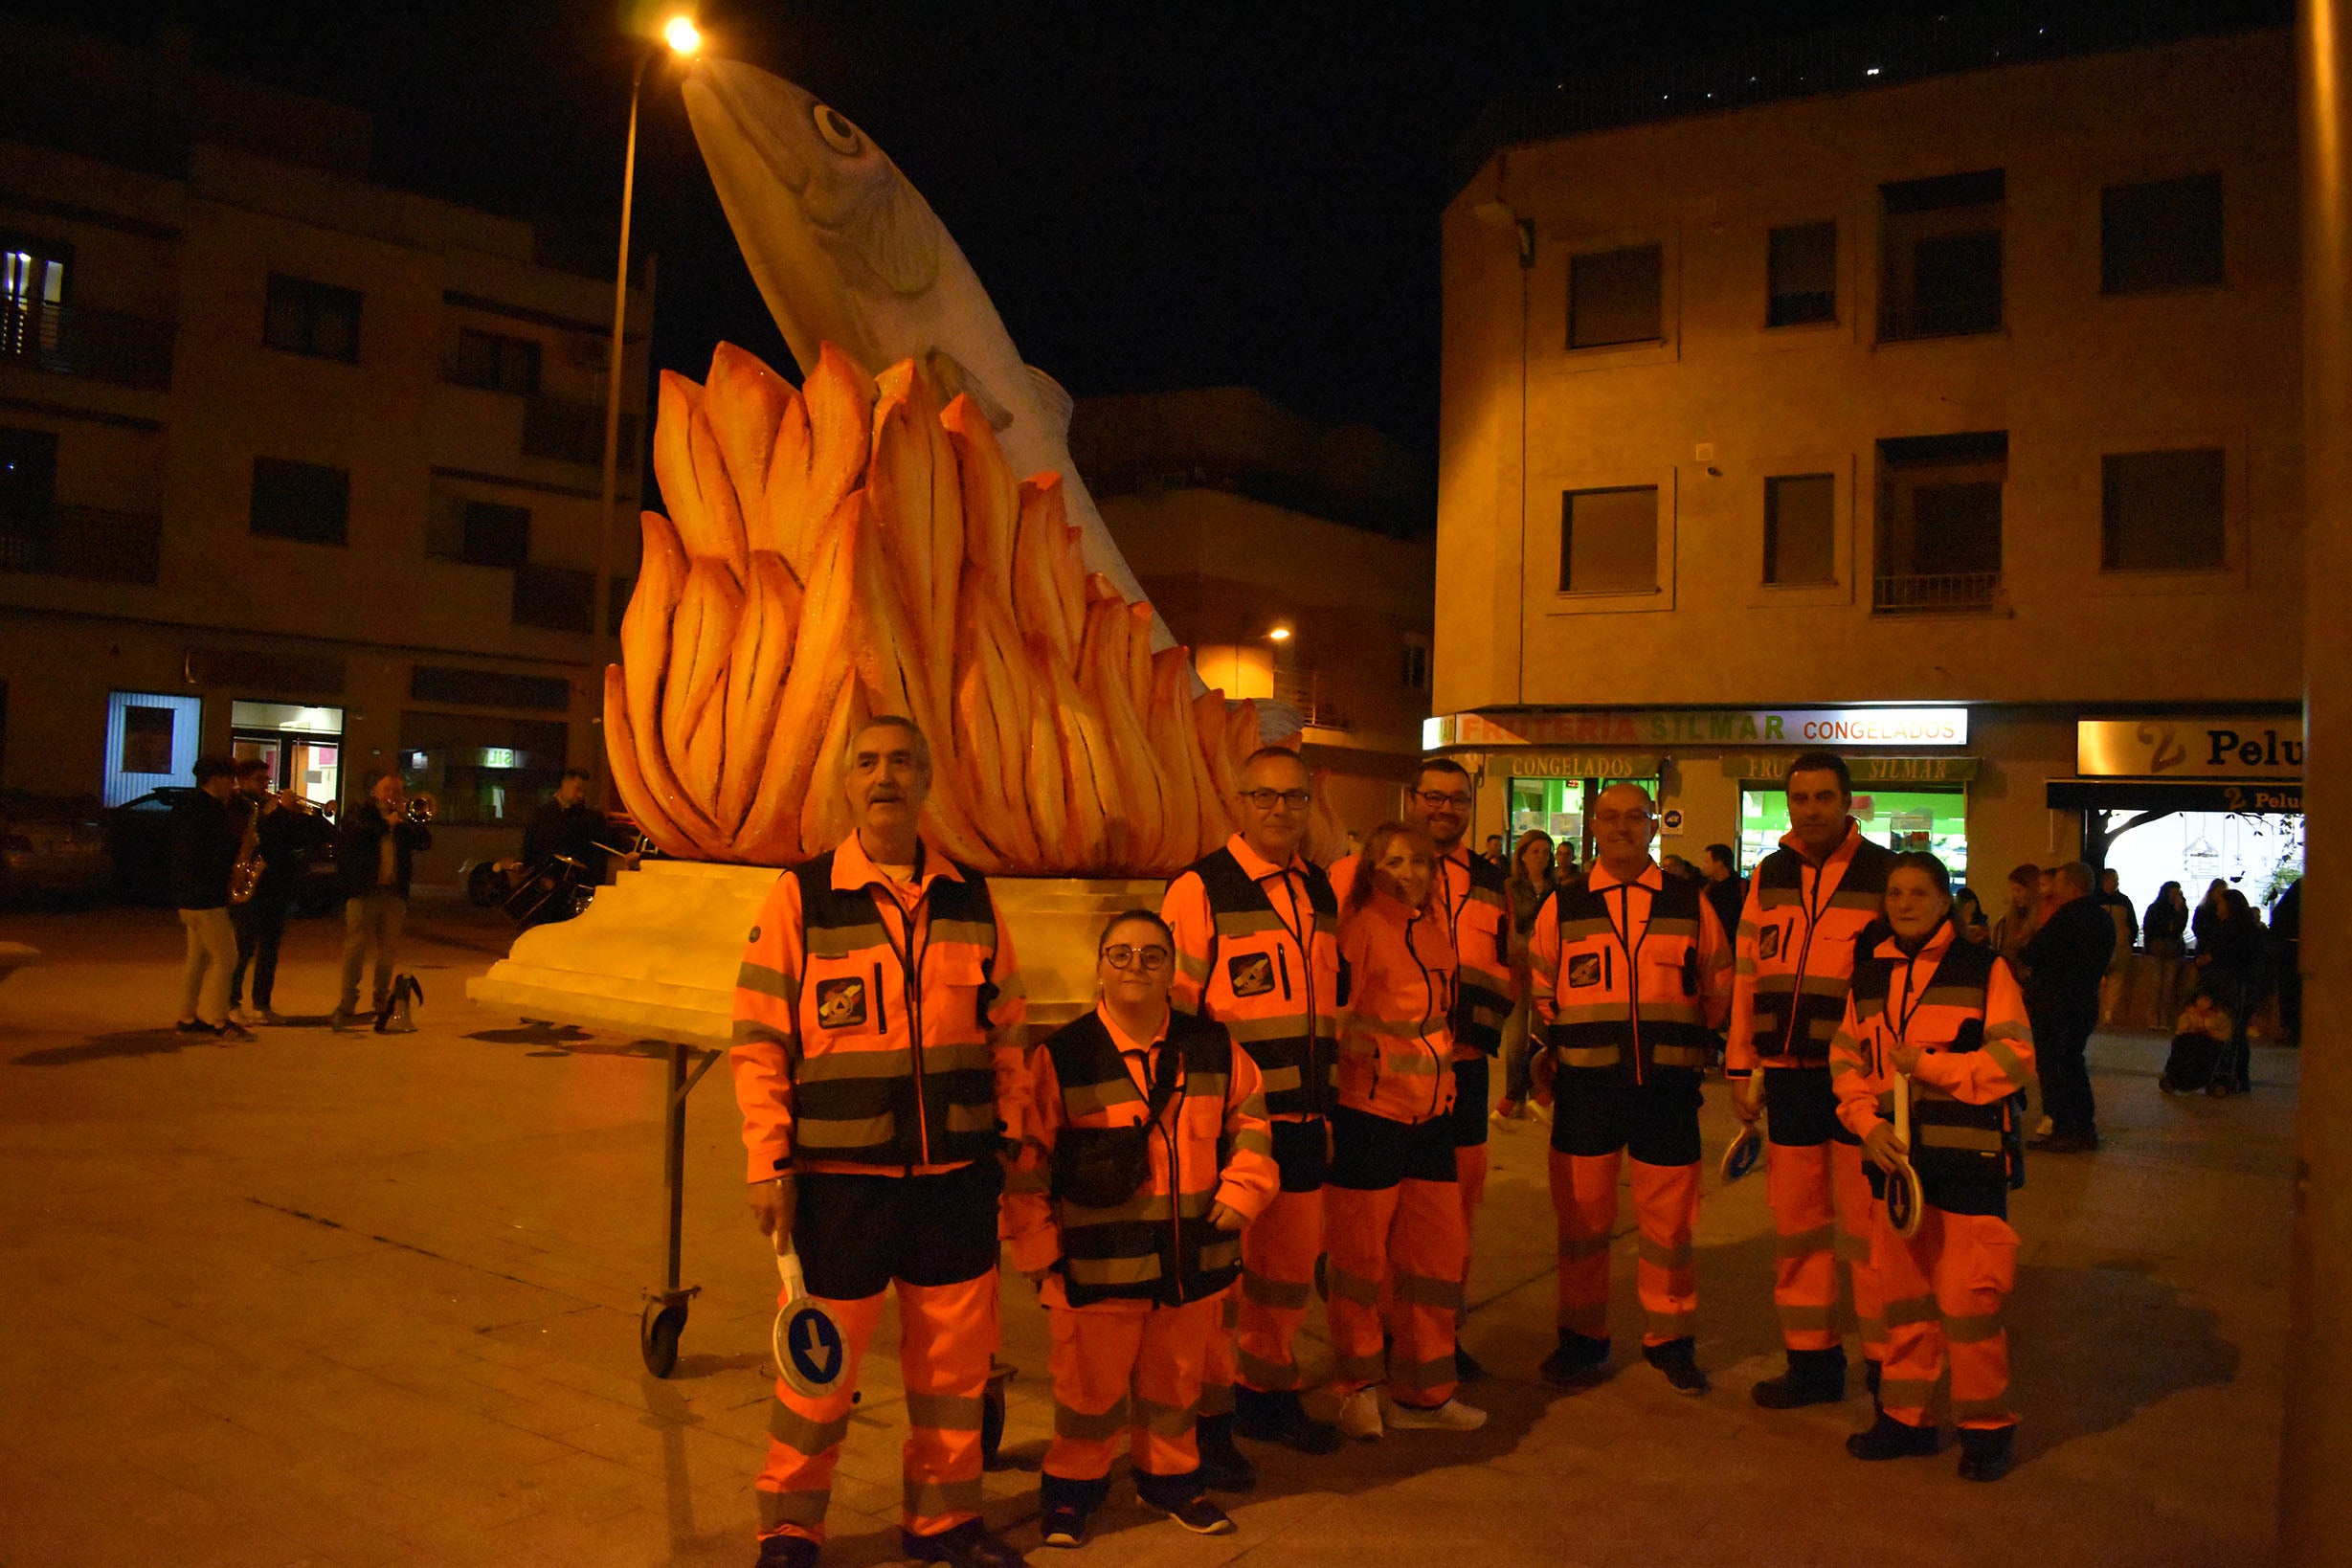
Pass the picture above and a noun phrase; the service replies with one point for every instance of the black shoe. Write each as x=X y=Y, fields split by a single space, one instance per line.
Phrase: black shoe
x=1578 y=1359
x=1985 y=1454
x=787 y=1551
x=1466 y=1369
x=1281 y=1418
x=1196 y=1513
x=1064 y=1525
x=1223 y=1468
x=968 y=1545
x=1892 y=1439
x=192 y=1026
x=2065 y=1143
x=1813 y=1377
x=1680 y=1366
x=233 y=1031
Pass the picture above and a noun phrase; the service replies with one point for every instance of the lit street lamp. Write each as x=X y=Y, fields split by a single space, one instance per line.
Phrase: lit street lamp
x=683 y=39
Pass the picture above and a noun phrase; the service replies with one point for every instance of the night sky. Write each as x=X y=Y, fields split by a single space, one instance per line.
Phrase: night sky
x=1156 y=196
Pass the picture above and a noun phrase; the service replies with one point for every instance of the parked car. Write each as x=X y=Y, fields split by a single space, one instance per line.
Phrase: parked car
x=51 y=849
x=139 y=837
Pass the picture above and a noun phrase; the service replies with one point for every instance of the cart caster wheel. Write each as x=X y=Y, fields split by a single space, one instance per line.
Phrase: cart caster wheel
x=659 y=1333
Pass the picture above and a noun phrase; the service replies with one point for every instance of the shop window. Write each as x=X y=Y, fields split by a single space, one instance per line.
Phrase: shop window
x=1616 y=296
x=1802 y=275
x=1609 y=541
x=2162 y=511
x=495 y=363
x=150 y=743
x=1941 y=242
x=1939 y=521
x=1801 y=529
x=301 y=745
x=2160 y=234
x=1935 y=821
x=305 y=501
x=483 y=769
x=316 y=318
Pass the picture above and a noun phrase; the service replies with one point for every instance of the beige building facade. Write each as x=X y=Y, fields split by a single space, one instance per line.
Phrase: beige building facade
x=297 y=466
x=1924 y=422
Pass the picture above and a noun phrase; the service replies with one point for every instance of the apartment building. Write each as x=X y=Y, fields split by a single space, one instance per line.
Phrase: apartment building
x=1294 y=559
x=1952 y=423
x=291 y=464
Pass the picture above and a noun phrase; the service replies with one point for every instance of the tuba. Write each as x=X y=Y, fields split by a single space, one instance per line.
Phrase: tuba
x=421 y=807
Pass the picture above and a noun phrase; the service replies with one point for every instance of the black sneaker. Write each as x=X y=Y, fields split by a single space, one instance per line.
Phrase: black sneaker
x=1675 y=1359
x=968 y=1545
x=1985 y=1455
x=233 y=1031
x=1578 y=1359
x=1064 y=1525
x=1466 y=1369
x=1892 y=1439
x=1196 y=1513
x=787 y=1551
x=1813 y=1377
x=1281 y=1418
x=192 y=1026
x=1223 y=1468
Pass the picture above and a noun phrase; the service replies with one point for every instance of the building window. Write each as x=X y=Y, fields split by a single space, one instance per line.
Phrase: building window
x=1609 y=541
x=558 y=599
x=2160 y=234
x=303 y=501
x=27 y=493
x=1416 y=662
x=1801 y=267
x=495 y=363
x=483 y=769
x=32 y=294
x=150 y=743
x=1801 y=529
x=2162 y=511
x=316 y=318
x=494 y=534
x=489 y=688
x=1614 y=297
x=1942 y=249
x=1939 y=521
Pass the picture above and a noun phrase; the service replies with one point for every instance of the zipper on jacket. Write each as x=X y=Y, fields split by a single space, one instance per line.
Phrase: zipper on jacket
x=882 y=1014
x=1805 y=951
x=910 y=959
x=1176 y=1168
x=1428 y=1011
x=1282 y=961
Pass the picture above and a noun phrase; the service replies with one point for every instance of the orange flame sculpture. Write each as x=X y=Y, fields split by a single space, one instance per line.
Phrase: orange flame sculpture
x=856 y=548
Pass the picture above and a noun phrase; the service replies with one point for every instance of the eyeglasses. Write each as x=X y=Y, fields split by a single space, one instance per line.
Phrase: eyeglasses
x=1269 y=799
x=1152 y=960
x=1439 y=799
x=1630 y=818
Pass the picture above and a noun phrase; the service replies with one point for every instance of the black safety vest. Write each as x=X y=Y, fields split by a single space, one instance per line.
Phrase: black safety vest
x=1966 y=1154
x=1602 y=1020
x=1810 y=989
x=1282 y=1029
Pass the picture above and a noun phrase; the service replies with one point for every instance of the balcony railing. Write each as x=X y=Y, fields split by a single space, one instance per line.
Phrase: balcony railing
x=84 y=542
x=1304 y=690
x=555 y=427
x=1911 y=592
x=69 y=340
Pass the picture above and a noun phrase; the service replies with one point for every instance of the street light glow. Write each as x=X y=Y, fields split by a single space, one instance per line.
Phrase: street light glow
x=681 y=36
x=1280 y=634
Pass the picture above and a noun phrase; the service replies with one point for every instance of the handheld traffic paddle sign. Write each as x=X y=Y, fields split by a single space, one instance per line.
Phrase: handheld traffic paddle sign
x=1906 y=1204
x=1741 y=1157
x=812 y=1353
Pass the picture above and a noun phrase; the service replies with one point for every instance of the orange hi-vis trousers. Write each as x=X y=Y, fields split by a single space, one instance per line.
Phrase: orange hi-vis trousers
x=1116 y=1369
x=947 y=1331
x=1278 y=1282
x=1800 y=1180
x=1944 y=1289
x=1664 y=1207
x=1409 y=1238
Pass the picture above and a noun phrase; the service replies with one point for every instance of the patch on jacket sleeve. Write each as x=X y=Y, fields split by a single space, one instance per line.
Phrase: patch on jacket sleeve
x=1584 y=969
x=1768 y=943
x=1250 y=974
x=840 y=1004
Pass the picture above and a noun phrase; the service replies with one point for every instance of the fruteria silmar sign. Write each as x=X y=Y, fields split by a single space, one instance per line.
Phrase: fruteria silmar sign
x=1755 y=767
x=2173 y=746
x=1801 y=727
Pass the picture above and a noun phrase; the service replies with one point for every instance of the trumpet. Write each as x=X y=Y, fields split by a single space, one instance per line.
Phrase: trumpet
x=421 y=807
x=288 y=800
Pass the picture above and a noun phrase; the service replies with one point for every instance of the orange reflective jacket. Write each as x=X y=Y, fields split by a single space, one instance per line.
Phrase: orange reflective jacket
x=1395 y=1042
x=1961 y=1005
x=1473 y=896
x=1797 y=936
x=1629 y=976
x=1257 y=949
x=844 y=978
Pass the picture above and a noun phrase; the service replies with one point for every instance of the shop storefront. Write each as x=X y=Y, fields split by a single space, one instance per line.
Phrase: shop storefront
x=2188 y=799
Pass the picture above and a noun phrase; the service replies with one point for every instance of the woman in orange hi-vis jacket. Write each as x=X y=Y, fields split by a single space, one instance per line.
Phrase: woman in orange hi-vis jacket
x=1392 y=1210
x=1152 y=1131
x=1947 y=1016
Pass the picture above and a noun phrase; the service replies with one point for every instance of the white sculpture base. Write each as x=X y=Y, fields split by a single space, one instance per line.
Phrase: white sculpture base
x=657 y=952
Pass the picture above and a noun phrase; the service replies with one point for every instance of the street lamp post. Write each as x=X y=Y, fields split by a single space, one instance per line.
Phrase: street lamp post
x=683 y=40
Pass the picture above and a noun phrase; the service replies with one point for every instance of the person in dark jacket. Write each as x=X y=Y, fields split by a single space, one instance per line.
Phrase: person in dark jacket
x=2234 y=960
x=289 y=833
x=205 y=836
x=2163 y=929
x=2065 y=960
x=2286 y=945
x=2209 y=912
x=1726 y=888
x=2112 y=898
x=375 y=850
x=566 y=825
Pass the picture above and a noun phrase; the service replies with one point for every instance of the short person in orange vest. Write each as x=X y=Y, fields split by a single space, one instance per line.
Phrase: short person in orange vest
x=1392 y=1211
x=1152 y=1131
x=878 y=1066
x=1631 y=975
x=1257 y=943
x=1948 y=1015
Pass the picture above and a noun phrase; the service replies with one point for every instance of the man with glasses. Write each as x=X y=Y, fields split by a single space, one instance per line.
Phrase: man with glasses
x=879 y=1065
x=1257 y=949
x=1631 y=973
x=1473 y=896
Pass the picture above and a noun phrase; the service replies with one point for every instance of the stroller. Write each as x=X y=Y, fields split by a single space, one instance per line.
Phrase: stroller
x=2202 y=1039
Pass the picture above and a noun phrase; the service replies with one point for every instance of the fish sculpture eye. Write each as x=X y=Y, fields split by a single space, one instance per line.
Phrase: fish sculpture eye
x=838 y=133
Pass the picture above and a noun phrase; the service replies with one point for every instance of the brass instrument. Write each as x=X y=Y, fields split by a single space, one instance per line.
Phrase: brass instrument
x=421 y=807
x=291 y=801
x=246 y=875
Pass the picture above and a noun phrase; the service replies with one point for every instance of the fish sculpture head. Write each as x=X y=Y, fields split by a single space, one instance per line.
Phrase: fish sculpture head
x=833 y=230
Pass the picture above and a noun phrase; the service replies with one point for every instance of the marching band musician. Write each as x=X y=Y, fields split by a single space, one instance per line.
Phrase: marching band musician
x=375 y=853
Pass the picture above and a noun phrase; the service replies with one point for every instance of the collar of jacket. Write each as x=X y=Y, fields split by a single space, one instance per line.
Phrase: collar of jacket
x=1937 y=941
x=1600 y=878
x=1125 y=1042
x=1843 y=852
x=1257 y=867
x=853 y=869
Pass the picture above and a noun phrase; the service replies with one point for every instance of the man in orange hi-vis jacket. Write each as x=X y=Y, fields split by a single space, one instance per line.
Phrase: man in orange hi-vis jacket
x=878 y=1066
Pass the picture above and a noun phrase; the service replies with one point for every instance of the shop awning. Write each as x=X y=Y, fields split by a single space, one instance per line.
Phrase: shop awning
x=2175 y=794
x=1760 y=767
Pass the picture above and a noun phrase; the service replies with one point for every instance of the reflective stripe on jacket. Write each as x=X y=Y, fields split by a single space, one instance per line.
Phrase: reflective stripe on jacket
x=838 y=984
x=1238 y=919
x=1395 y=1042
x=1633 y=1006
x=1212 y=1147
x=1961 y=1005
x=1798 y=933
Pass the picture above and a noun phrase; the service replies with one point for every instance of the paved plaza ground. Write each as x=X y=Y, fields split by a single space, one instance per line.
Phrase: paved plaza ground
x=367 y=1299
